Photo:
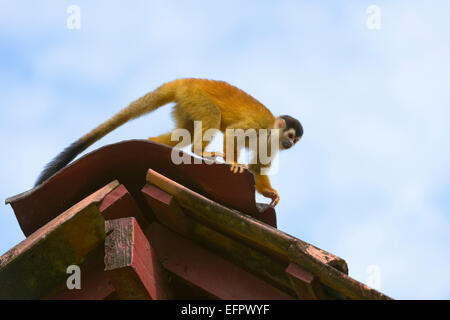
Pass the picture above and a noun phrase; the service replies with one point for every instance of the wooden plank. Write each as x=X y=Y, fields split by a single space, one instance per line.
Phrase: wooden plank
x=95 y=285
x=333 y=278
x=167 y=211
x=171 y=215
x=305 y=284
x=38 y=264
x=128 y=162
x=131 y=263
x=224 y=219
x=266 y=214
x=267 y=238
x=120 y=204
x=207 y=270
x=238 y=224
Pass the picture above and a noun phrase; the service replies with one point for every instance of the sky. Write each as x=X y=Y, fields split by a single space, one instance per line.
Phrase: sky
x=369 y=181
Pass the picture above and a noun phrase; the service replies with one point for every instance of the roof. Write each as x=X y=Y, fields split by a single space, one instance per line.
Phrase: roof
x=128 y=163
x=192 y=224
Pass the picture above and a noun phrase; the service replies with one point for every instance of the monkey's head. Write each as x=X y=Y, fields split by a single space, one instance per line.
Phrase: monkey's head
x=291 y=131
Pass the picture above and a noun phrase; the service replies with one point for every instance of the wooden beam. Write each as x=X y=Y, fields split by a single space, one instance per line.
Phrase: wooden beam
x=120 y=204
x=131 y=263
x=207 y=270
x=305 y=284
x=38 y=265
x=222 y=218
x=266 y=214
x=167 y=211
x=95 y=285
x=171 y=215
x=236 y=223
x=327 y=267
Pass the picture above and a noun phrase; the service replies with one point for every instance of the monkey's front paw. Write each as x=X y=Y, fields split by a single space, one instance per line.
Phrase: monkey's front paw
x=272 y=194
x=237 y=167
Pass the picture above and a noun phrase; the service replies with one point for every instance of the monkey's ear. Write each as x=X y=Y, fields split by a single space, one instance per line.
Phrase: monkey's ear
x=280 y=123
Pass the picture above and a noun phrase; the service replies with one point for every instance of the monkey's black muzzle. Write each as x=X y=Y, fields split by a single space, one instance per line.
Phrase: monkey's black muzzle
x=286 y=144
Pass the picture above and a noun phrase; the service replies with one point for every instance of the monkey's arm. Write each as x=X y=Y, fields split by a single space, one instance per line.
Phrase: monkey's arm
x=263 y=186
x=231 y=150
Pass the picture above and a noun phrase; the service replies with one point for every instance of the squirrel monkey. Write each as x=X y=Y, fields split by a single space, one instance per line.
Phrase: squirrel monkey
x=217 y=104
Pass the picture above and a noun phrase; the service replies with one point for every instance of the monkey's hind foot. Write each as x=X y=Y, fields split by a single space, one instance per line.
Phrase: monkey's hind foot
x=211 y=157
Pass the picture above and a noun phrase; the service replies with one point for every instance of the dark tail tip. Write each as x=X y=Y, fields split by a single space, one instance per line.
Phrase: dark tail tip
x=61 y=160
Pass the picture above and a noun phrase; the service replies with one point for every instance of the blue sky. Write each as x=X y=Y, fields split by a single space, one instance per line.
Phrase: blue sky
x=370 y=179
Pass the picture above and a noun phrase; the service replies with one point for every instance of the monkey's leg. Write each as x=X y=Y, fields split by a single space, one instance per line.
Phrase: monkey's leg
x=205 y=115
x=232 y=152
x=181 y=122
x=201 y=141
x=232 y=160
x=165 y=139
x=263 y=186
x=215 y=154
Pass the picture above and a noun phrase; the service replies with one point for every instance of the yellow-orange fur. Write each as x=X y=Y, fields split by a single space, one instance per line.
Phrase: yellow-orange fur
x=217 y=104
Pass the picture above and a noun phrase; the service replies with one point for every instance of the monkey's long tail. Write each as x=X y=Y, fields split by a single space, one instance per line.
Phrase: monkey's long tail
x=149 y=102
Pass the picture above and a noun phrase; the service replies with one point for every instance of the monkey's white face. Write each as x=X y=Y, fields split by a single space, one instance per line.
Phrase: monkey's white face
x=287 y=135
x=288 y=139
